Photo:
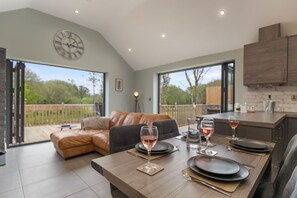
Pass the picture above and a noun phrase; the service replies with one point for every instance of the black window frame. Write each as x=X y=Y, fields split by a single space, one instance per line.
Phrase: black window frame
x=224 y=79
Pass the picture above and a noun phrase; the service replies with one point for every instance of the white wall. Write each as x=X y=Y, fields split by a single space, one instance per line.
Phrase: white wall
x=146 y=80
x=28 y=34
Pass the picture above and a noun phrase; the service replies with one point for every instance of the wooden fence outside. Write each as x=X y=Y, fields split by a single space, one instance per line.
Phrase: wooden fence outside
x=181 y=112
x=57 y=113
x=51 y=114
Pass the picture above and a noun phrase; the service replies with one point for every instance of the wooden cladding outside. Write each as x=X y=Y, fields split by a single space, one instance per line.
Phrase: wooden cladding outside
x=57 y=113
x=266 y=62
x=213 y=95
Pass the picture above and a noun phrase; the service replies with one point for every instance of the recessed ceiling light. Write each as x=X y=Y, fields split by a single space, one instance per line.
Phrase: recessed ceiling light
x=129 y=49
x=76 y=11
x=163 y=35
x=222 y=12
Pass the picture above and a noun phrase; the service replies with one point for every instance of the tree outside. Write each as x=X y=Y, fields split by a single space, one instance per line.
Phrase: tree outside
x=57 y=91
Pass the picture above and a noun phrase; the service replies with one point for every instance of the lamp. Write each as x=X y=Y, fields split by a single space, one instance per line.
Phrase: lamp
x=136 y=94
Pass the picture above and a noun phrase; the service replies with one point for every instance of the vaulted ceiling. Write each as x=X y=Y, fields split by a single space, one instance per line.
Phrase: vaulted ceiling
x=192 y=28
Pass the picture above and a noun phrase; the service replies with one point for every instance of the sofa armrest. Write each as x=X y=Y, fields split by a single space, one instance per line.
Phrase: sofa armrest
x=95 y=122
x=166 y=128
x=124 y=137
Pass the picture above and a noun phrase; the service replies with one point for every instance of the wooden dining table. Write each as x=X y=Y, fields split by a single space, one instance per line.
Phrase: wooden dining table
x=120 y=170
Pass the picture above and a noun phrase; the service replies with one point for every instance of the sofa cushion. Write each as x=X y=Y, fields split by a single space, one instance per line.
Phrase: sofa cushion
x=117 y=118
x=95 y=122
x=72 y=138
x=148 y=119
x=101 y=140
x=132 y=118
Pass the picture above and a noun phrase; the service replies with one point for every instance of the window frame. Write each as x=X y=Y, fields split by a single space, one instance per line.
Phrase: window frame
x=224 y=80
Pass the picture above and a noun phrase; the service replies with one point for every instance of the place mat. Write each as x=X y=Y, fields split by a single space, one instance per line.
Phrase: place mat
x=226 y=186
x=134 y=152
x=159 y=168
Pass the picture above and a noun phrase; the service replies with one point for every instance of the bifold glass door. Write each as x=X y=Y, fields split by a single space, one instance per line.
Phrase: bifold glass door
x=15 y=102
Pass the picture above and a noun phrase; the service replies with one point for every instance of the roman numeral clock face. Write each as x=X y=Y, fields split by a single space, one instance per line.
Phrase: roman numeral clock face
x=68 y=44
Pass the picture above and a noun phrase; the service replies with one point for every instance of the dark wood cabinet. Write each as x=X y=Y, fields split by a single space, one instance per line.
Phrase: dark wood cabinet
x=292 y=59
x=266 y=62
x=291 y=128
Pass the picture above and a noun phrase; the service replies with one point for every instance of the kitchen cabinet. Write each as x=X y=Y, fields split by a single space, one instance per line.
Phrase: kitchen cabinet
x=265 y=62
x=292 y=59
x=291 y=128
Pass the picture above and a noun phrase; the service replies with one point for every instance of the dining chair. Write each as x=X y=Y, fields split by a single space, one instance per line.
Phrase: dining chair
x=166 y=128
x=288 y=163
x=285 y=171
x=291 y=187
x=291 y=142
x=130 y=135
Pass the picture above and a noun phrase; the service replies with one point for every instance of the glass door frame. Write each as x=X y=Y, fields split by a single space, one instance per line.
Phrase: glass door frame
x=226 y=70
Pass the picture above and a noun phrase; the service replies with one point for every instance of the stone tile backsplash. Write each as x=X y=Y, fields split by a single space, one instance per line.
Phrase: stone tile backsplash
x=281 y=94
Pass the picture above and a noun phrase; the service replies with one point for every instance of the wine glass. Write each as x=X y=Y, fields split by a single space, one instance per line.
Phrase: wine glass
x=207 y=128
x=149 y=137
x=233 y=123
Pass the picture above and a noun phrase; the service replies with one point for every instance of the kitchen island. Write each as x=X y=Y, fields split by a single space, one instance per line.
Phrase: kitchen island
x=269 y=127
x=257 y=119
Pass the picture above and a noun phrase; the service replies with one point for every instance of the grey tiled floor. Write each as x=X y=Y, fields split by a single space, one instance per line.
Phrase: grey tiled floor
x=37 y=171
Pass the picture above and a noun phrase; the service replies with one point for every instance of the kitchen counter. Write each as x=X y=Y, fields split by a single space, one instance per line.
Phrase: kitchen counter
x=291 y=115
x=257 y=119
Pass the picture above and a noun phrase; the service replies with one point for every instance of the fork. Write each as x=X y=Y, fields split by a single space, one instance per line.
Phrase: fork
x=189 y=178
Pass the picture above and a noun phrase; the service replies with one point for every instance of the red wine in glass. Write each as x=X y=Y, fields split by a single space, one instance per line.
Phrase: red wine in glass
x=207 y=128
x=207 y=132
x=149 y=141
x=233 y=123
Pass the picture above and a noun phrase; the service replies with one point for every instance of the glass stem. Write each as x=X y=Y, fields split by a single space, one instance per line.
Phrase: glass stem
x=207 y=143
x=149 y=158
x=233 y=136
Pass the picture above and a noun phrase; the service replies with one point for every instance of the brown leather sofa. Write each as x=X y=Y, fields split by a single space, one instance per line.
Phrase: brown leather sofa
x=109 y=135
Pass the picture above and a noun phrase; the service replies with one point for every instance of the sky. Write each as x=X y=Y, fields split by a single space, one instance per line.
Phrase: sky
x=78 y=77
x=179 y=79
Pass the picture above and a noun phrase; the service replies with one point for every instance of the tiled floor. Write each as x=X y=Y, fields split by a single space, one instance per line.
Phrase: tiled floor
x=37 y=171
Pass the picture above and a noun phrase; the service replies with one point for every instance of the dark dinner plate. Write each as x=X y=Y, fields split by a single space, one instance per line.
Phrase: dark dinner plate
x=250 y=144
x=268 y=149
x=242 y=174
x=169 y=149
x=216 y=165
x=160 y=146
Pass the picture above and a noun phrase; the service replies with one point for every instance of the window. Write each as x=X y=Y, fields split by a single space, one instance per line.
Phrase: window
x=197 y=91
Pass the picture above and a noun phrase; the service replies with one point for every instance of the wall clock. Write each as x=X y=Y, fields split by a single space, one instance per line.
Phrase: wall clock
x=68 y=44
